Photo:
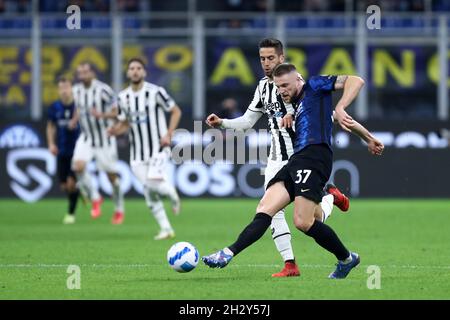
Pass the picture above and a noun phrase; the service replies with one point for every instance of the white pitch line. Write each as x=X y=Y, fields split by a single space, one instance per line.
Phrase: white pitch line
x=312 y=266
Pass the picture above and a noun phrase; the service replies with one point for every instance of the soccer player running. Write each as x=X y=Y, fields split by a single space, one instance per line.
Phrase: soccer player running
x=95 y=110
x=141 y=113
x=302 y=179
x=61 y=142
x=280 y=117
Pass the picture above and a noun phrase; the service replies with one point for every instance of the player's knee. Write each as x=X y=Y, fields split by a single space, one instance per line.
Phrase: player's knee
x=70 y=185
x=262 y=206
x=112 y=176
x=303 y=224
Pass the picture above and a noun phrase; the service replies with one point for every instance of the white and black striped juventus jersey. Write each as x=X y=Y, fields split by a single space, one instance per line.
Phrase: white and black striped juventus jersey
x=267 y=101
x=98 y=96
x=144 y=110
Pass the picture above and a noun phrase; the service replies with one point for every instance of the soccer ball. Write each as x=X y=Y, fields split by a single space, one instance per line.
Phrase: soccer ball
x=182 y=257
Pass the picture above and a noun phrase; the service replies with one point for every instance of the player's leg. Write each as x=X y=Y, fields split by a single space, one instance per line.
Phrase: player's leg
x=324 y=235
x=107 y=158
x=67 y=182
x=281 y=234
x=160 y=182
x=83 y=154
x=72 y=196
x=310 y=175
x=153 y=201
x=275 y=198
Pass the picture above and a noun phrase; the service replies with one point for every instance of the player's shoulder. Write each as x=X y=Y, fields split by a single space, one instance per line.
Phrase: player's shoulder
x=263 y=81
x=318 y=81
x=152 y=87
x=54 y=106
x=124 y=92
x=102 y=85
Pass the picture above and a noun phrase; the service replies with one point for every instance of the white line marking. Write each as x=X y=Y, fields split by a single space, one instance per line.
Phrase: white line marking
x=311 y=266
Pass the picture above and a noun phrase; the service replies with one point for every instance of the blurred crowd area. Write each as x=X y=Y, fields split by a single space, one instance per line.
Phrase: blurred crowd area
x=24 y=6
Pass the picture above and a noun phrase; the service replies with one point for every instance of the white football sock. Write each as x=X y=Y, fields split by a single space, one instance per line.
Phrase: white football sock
x=117 y=195
x=166 y=189
x=327 y=206
x=157 y=208
x=282 y=236
x=85 y=181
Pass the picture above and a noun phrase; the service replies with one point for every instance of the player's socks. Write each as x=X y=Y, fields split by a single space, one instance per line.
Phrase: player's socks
x=282 y=236
x=252 y=232
x=117 y=196
x=73 y=198
x=327 y=239
x=327 y=206
x=86 y=183
x=161 y=217
x=166 y=189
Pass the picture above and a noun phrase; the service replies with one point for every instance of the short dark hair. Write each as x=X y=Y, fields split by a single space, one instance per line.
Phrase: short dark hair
x=283 y=69
x=63 y=78
x=138 y=60
x=272 y=43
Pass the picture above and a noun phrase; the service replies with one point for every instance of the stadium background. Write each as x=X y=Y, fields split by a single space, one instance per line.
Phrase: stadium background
x=204 y=52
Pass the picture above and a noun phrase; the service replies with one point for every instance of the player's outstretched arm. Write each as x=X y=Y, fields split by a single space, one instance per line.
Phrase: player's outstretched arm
x=374 y=145
x=244 y=122
x=351 y=86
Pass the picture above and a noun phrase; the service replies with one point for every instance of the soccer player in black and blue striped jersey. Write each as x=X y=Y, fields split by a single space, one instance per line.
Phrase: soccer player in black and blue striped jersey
x=61 y=141
x=303 y=178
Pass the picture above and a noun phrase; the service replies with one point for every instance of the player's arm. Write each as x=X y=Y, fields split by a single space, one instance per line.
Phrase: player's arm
x=351 y=85
x=374 y=145
x=119 y=128
x=75 y=118
x=175 y=116
x=244 y=122
x=51 y=134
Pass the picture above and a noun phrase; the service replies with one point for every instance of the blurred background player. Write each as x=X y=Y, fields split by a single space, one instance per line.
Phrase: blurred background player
x=95 y=110
x=280 y=115
x=61 y=142
x=141 y=111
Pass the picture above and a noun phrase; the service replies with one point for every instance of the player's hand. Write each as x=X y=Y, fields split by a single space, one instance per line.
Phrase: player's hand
x=53 y=149
x=375 y=147
x=165 y=140
x=287 y=121
x=111 y=131
x=213 y=121
x=96 y=114
x=344 y=119
x=72 y=124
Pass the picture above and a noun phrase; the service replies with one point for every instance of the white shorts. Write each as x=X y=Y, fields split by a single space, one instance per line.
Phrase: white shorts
x=105 y=157
x=272 y=169
x=153 y=169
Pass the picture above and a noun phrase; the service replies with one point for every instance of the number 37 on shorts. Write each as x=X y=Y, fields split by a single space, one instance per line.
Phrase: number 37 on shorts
x=302 y=175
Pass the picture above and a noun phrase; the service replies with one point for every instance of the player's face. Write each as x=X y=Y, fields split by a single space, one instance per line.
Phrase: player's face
x=85 y=74
x=269 y=60
x=136 y=72
x=65 y=90
x=289 y=85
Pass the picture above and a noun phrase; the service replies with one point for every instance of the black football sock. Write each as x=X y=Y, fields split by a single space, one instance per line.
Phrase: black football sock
x=73 y=198
x=328 y=239
x=252 y=232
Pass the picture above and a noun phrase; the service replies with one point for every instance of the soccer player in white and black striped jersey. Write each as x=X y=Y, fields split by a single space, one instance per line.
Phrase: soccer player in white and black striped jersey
x=96 y=110
x=280 y=116
x=141 y=112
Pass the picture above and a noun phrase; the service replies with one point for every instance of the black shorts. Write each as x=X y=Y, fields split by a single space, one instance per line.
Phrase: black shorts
x=306 y=172
x=65 y=168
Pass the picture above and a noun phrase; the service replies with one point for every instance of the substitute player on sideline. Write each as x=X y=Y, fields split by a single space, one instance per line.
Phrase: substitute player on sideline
x=141 y=111
x=95 y=110
x=280 y=117
x=61 y=142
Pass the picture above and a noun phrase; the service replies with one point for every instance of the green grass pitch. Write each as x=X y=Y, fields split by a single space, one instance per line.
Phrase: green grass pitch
x=407 y=239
